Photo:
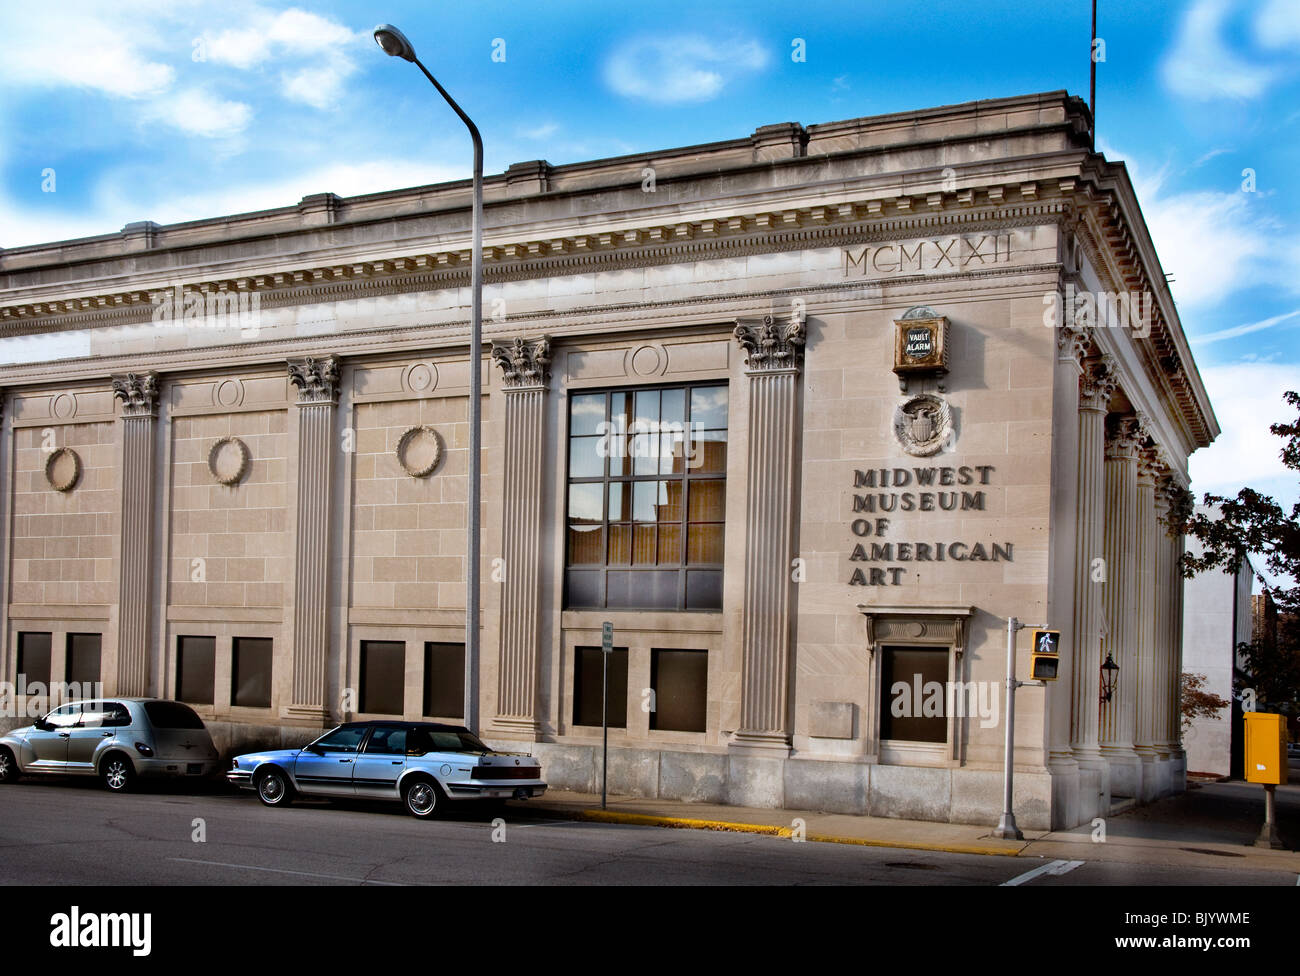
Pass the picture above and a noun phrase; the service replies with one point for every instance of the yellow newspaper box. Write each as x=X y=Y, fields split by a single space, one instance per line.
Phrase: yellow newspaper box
x=1265 y=748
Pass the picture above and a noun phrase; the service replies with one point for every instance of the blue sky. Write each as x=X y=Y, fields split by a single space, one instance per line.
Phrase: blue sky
x=172 y=110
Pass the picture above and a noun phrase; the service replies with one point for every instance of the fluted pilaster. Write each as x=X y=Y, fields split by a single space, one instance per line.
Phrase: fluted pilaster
x=774 y=357
x=526 y=374
x=138 y=393
x=1119 y=715
x=1149 y=687
x=317 y=383
x=1096 y=385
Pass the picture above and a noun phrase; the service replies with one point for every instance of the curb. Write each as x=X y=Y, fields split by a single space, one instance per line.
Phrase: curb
x=688 y=823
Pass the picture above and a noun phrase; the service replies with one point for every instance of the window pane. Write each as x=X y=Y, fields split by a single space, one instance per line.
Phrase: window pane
x=586 y=413
x=34 y=657
x=196 y=669
x=645 y=452
x=708 y=451
x=383 y=677
x=647 y=499
x=642 y=589
x=82 y=665
x=680 y=683
x=709 y=406
x=672 y=407
x=670 y=543
x=643 y=545
x=708 y=501
x=620 y=544
x=250 y=672
x=586 y=545
x=620 y=461
x=585 y=503
x=346 y=739
x=444 y=680
x=704 y=589
x=588 y=686
x=385 y=741
x=585 y=460
x=585 y=588
x=913 y=686
x=704 y=543
x=647 y=410
x=620 y=501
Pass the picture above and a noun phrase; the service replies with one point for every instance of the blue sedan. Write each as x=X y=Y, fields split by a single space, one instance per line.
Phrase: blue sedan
x=422 y=764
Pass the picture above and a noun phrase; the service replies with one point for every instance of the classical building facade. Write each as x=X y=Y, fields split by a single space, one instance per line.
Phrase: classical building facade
x=805 y=415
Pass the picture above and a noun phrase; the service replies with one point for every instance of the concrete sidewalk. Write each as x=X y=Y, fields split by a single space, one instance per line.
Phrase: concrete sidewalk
x=1211 y=825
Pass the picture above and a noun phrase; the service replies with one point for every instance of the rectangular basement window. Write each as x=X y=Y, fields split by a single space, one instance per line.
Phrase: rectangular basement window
x=680 y=681
x=383 y=677
x=34 y=657
x=444 y=679
x=83 y=662
x=196 y=670
x=588 y=684
x=250 y=672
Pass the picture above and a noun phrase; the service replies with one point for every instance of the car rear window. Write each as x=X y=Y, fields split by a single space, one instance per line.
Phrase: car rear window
x=172 y=715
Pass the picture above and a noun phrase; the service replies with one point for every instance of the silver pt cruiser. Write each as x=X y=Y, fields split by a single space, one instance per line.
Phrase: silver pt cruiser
x=421 y=764
x=115 y=739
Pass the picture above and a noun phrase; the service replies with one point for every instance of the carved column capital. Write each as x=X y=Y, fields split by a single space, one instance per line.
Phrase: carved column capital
x=317 y=379
x=1151 y=465
x=1099 y=379
x=770 y=345
x=138 y=393
x=525 y=364
x=1072 y=344
x=1125 y=435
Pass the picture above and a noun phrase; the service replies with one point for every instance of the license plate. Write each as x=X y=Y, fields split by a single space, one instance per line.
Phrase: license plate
x=194 y=769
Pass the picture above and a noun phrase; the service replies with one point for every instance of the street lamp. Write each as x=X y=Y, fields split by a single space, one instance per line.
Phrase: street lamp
x=1109 y=673
x=395 y=44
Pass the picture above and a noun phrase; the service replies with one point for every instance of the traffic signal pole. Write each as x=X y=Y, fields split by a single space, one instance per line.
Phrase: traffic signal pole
x=1006 y=827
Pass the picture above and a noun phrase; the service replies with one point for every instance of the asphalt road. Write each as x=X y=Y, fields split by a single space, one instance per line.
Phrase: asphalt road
x=74 y=833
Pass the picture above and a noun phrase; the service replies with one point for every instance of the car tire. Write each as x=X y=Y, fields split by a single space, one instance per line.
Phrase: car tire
x=116 y=773
x=8 y=766
x=422 y=798
x=273 y=788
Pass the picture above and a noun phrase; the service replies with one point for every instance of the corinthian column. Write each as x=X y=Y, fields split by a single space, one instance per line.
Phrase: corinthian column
x=525 y=368
x=1119 y=715
x=139 y=395
x=317 y=383
x=1072 y=345
x=1096 y=385
x=1149 y=468
x=773 y=359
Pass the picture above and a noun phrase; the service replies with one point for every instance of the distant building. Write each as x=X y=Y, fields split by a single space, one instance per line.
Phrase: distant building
x=1218 y=614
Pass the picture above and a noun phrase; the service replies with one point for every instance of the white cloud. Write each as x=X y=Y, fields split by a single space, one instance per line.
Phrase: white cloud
x=1241 y=330
x=319 y=86
x=680 y=68
x=544 y=131
x=1202 y=64
x=71 y=46
x=201 y=113
x=1247 y=398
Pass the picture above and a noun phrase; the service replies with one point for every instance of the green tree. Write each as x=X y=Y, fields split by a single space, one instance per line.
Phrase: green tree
x=1254 y=523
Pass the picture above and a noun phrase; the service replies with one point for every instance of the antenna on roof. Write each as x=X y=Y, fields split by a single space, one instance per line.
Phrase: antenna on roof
x=1092 y=76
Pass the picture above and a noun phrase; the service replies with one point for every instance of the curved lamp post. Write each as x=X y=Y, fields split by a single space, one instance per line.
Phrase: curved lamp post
x=395 y=44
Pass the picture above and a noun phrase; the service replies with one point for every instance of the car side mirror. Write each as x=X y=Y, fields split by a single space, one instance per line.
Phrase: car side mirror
x=40 y=725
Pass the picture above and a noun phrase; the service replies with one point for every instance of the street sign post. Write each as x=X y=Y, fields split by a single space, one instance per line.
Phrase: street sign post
x=606 y=647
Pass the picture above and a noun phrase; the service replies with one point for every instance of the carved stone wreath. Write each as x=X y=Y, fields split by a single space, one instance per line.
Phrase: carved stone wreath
x=923 y=425
x=228 y=460
x=63 y=469
x=419 y=450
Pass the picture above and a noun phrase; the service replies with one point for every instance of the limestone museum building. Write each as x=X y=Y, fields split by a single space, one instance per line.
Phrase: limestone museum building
x=805 y=414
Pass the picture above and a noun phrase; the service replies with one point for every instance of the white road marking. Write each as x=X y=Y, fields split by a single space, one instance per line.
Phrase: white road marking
x=1051 y=867
x=301 y=874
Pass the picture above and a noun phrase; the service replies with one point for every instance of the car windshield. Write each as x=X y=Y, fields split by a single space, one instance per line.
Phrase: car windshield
x=172 y=715
x=431 y=740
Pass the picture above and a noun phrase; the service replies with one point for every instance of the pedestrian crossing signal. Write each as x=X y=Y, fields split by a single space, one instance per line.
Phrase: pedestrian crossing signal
x=1045 y=659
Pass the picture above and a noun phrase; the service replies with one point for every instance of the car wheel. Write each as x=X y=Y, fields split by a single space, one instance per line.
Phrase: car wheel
x=8 y=766
x=116 y=772
x=273 y=788
x=422 y=798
